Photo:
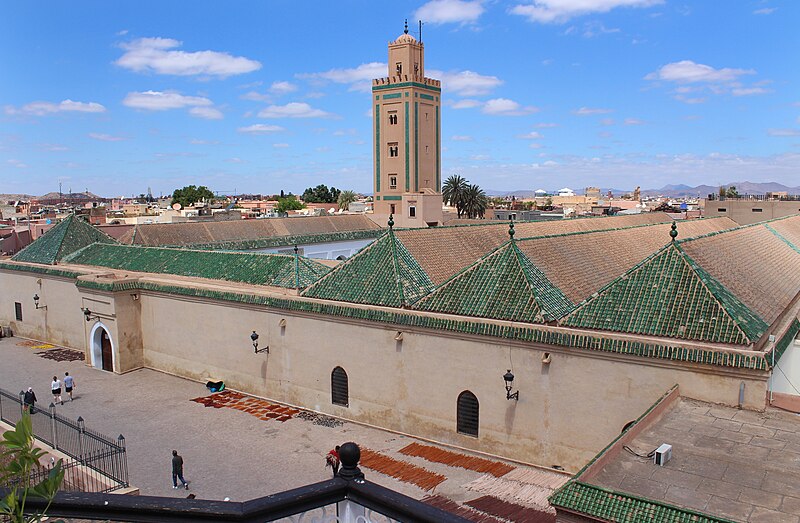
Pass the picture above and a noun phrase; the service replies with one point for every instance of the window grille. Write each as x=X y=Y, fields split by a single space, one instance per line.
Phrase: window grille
x=467 y=414
x=339 y=387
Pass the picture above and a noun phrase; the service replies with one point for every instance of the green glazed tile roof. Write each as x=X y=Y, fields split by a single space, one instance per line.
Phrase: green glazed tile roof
x=669 y=295
x=71 y=234
x=504 y=284
x=610 y=505
x=259 y=269
x=382 y=273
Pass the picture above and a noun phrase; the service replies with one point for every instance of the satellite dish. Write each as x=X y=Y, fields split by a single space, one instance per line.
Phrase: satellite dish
x=176 y=206
x=48 y=221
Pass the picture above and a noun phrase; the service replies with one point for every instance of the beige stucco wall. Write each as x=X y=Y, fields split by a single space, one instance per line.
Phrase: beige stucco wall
x=745 y=212
x=568 y=410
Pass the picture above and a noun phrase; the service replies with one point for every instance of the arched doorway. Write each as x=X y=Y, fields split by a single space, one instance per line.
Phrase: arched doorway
x=102 y=348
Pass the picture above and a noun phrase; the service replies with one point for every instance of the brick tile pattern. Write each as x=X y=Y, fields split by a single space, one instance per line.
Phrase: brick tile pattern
x=404 y=471
x=261 y=409
x=456 y=459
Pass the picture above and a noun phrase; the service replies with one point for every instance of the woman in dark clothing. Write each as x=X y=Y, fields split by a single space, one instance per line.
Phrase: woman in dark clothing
x=28 y=400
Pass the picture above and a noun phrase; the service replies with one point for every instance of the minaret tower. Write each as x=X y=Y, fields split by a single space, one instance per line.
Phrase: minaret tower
x=407 y=131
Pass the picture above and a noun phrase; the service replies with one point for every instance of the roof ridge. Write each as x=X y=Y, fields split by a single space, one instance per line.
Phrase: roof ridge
x=732 y=229
x=536 y=290
x=782 y=237
x=705 y=278
x=393 y=242
x=347 y=262
x=708 y=283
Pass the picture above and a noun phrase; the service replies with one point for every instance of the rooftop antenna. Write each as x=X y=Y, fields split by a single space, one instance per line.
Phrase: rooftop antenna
x=405 y=31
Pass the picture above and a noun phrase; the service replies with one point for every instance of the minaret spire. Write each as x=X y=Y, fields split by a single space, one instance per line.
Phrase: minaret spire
x=405 y=31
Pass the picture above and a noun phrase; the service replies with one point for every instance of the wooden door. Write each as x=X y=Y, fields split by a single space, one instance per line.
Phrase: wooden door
x=105 y=345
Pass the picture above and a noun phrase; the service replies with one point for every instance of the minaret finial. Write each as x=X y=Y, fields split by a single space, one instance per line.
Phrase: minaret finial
x=391 y=221
x=674 y=232
x=406 y=29
x=511 y=229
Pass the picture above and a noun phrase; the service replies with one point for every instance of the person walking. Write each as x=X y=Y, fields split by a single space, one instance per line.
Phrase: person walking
x=29 y=400
x=69 y=384
x=177 y=471
x=332 y=460
x=55 y=387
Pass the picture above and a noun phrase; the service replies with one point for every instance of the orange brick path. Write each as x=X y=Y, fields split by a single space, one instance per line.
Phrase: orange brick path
x=421 y=477
x=261 y=409
x=454 y=459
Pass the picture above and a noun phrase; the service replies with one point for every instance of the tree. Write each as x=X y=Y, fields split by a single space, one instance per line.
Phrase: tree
x=474 y=201
x=22 y=460
x=731 y=192
x=452 y=191
x=346 y=198
x=321 y=194
x=290 y=203
x=191 y=194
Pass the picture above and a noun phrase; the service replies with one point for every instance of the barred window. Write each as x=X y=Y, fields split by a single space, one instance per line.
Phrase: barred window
x=467 y=414
x=339 y=387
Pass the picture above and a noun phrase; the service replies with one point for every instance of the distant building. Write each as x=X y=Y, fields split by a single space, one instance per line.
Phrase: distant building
x=745 y=210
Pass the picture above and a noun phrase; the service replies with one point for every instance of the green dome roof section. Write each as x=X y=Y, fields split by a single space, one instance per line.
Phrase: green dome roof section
x=504 y=285
x=279 y=270
x=669 y=295
x=70 y=235
x=382 y=273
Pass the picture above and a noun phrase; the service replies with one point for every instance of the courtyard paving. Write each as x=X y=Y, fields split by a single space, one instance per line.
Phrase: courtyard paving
x=241 y=447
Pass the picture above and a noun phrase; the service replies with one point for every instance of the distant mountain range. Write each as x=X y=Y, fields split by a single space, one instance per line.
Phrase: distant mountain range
x=674 y=191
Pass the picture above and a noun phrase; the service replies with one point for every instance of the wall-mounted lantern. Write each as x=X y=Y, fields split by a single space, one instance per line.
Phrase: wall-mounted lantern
x=398 y=336
x=256 y=350
x=508 y=377
x=36 y=302
x=89 y=315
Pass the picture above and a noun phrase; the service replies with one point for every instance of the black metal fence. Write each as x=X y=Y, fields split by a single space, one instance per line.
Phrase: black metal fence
x=98 y=461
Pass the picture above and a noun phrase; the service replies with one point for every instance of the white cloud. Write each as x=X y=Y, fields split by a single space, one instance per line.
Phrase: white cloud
x=45 y=108
x=449 y=11
x=466 y=104
x=235 y=160
x=461 y=138
x=55 y=147
x=282 y=87
x=208 y=113
x=687 y=71
x=586 y=111
x=560 y=11
x=260 y=128
x=103 y=137
x=533 y=135
x=17 y=163
x=280 y=145
x=546 y=125
x=783 y=132
x=162 y=101
x=158 y=55
x=256 y=96
x=633 y=121
x=607 y=121
x=765 y=11
x=748 y=91
x=292 y=110
x=465 y=83
x=506 y=107
x=359 y=78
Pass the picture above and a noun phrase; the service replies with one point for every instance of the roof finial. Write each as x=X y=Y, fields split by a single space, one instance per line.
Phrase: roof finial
x=391 y=221
x=511 y=229
x=674 y=232
x=406 y=29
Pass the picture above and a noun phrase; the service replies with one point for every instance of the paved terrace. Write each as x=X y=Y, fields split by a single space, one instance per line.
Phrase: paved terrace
x=243 y=447
x=731 y=463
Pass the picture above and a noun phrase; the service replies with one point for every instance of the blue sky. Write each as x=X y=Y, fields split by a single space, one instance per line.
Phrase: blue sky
x=116 y=97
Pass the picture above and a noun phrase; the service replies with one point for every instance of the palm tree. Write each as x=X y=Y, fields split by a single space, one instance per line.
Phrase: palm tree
x=452 y=190
x=346 y=198
x=474 y=201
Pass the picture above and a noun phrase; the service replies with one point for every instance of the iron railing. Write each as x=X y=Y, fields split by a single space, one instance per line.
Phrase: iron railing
x=333 y=501
x=93 y=454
